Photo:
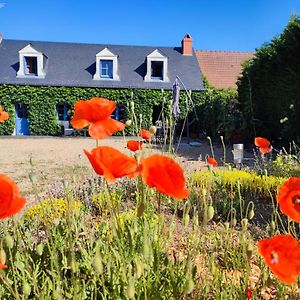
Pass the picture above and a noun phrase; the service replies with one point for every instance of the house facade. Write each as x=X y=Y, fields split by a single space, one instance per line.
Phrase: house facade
x=40 y=81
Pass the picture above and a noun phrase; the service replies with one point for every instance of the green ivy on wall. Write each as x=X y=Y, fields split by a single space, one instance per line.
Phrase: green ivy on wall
x=42 y=101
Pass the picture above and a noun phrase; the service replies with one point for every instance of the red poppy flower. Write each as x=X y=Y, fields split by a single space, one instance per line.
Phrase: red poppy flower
x=211 y=161
x=289 y=198
x=3 y=266
x=11 y=201
x=3 y=115
x=265 y=150
x=261 y=142
x=282 y=254
x=134 y=145
x=95 y=113
x=249 y=294
x=165 y=175
x=112 y=163
x=146 y=134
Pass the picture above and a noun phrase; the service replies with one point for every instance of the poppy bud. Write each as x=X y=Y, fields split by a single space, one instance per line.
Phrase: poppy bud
x=251 y=214
x=32 y=161
x=244 y=223
x=128 y=123
x=139 y=268
x=39 y=249
x=233 y=222
x=2 y=256
x=273 y=225
x=210 y=213
x=132 y=105
x=66 y=183
x=97 y=264
x=226 y=225
x=152 y=129
x=73 y=265
x=130 y=291
x=26 y=289
x=249 y=251
x=189 y=286
x=9 y=241
x=32 y=177
x=186 y=220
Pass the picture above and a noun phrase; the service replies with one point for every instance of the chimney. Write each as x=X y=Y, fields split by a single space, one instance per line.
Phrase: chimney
x=187 y=45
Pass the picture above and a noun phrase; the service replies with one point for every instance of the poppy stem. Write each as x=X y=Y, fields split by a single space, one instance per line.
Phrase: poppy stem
x=158 y=197
x=97 y=142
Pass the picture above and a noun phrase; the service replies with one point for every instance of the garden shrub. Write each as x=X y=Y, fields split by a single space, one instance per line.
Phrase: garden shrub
x=234 y=189
x=269 y=89
x=49 y=210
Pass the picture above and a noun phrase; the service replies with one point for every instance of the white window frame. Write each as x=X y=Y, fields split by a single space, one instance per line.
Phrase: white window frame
x=157 y=55
x=106 y=54
x=29 y=51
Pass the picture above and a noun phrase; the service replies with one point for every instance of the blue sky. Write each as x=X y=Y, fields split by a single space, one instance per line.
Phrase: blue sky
x=238 y=25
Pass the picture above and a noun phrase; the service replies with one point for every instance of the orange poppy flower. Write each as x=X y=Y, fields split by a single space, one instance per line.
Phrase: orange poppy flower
x=211 y=161
x=289 y=198
x=3 y=115
x=3 y=266
x=261 y=142
x=146 y=134
x=112 y=163
x=165 y=175
x=11 y=201
x=95 y=113
x=282 y=254
x=265 y=150
x=134 y=145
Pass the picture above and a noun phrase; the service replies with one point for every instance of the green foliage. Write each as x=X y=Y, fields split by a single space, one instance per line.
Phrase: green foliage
x=50 y=210
x=216 y=108
x=269 y=90
x=231 y=191
x=287 y=165
x=249 y=183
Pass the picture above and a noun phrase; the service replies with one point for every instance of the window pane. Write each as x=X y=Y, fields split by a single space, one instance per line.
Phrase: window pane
x=30 y=65
x=157 y=70
x=106 y=68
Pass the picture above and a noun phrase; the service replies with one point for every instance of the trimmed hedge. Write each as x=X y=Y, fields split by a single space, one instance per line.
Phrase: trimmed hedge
x=269 y=89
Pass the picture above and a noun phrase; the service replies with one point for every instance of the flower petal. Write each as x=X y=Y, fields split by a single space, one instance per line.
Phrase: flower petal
x=288 y=198
x=112 y=163
x=261 y=142
x=145 y=134
x=265 y=150
x=282 y=255
x=105 y=128
x=82 y=115
x=10 y=200
x=3 y=116
x=134 y=145
x=101 y=108
x=212 y=161
x=165 y=175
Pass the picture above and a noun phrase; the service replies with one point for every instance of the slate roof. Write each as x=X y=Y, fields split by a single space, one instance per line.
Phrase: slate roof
x=222 y=68
x=74 y=64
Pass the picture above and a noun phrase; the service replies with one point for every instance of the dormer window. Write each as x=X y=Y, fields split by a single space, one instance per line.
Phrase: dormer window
x=157 y=67
x=106 y=66
x=31 y=63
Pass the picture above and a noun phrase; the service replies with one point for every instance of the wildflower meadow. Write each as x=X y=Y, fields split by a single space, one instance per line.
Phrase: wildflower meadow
x=142 y=227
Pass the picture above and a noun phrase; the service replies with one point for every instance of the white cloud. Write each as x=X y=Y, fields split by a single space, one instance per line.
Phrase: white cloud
x=2 y=4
